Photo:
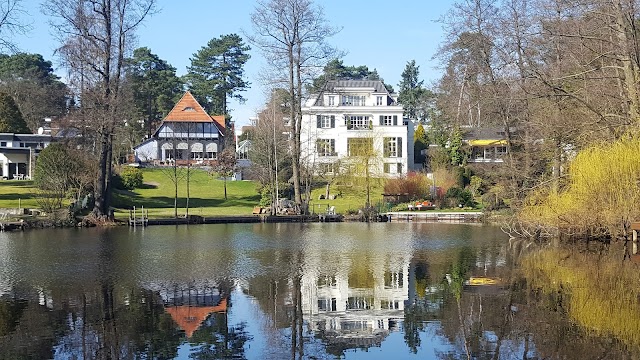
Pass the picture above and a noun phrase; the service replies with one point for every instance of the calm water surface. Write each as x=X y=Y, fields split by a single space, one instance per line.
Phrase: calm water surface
x=275 y=291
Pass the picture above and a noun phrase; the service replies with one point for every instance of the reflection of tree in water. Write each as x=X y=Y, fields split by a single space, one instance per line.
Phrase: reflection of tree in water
x=217 y=340
x=27 y=329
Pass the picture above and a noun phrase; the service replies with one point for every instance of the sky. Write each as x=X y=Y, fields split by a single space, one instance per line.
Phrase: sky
x=382 y=35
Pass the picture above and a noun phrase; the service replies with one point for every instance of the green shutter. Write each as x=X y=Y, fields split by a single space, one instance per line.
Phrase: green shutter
x=385 y=147
x=399 y=147
x=381 y=120
x=333 y=121
x=395 y=120
x=319 y=121
x=333 y=147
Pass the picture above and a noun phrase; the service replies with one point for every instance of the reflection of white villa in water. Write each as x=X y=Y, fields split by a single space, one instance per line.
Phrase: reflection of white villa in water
x=356 y=316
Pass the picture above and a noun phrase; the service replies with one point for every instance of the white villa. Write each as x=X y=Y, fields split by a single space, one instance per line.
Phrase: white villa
x=348 y=116
x=187 y=135
x=18 y=153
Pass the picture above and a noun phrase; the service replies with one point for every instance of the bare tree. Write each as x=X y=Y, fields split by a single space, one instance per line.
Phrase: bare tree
x=292 y=36
x=10 y=23
x=96 y=36
x=225 y=166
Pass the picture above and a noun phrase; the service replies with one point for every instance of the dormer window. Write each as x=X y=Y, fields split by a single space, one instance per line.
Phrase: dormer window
x=353 y=100
x=189 y=108
x=378 y=100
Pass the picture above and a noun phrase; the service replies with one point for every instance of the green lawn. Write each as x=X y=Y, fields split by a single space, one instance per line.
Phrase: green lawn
x=206 y=199
x=350 y=198
x=17 y=192
x=206 y=196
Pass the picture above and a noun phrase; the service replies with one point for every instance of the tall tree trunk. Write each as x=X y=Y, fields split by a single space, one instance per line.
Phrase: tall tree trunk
x=100 y=190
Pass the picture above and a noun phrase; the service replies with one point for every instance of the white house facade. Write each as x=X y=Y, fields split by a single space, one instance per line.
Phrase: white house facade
x=18 y=153
x=349 y=116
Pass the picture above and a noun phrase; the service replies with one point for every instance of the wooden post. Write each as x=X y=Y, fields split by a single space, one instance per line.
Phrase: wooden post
x=134 y=216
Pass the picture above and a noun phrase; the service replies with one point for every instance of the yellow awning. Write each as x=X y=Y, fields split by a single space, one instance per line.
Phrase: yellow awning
x=487 y=142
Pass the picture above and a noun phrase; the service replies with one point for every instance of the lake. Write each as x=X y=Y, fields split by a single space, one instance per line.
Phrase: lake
x=281 y=291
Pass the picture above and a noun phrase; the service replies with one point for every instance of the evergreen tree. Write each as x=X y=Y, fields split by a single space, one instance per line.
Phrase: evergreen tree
x=36 y=90
x=411 y=91
x=11 y=120
x=217 y=72
x=456 y=151
x=155 y=86
x=420 y=142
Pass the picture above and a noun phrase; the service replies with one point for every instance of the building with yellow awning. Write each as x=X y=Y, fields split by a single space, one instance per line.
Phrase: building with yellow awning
x=488 y=145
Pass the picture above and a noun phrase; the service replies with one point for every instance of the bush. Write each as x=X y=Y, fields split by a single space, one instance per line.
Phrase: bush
x=457 y=196
x=131 y=178
x=416 y=185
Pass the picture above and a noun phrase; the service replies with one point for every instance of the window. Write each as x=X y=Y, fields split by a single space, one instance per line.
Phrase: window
x=326 y=121
x=196 y=155
x=358 y=122
x=501 y=151
x=388 y=120
x=212 y=155
x=4 y=143
x=242 y=154
x=332 y=101
x=378 y=100
x=169 y=154
x=327 y=304
x=359 y=146
x=326 y=147
x=353 y=100
x=392 y=147
x=395 y=166
x=328 y=168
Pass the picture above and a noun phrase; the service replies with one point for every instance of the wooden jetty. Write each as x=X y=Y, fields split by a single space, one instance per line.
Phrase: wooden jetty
x=139 y=218
x=11 y=225
x=237 y=219
x=435 y=216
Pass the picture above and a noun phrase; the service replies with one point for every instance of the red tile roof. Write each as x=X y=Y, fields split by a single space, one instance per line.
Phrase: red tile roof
x=220 y=121
x=188 y=109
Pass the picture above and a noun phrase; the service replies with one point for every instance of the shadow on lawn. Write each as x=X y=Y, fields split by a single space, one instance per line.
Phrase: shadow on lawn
x=127 y=202
x=15 y=196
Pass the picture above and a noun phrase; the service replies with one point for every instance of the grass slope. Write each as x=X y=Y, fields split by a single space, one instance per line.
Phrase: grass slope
x=206 y=195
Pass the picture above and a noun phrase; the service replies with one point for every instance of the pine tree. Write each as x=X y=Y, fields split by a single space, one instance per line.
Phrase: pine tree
x=411 y=90
x=217 y=72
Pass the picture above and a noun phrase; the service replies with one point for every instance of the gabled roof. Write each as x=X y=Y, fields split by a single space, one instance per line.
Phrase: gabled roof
x=188 y=109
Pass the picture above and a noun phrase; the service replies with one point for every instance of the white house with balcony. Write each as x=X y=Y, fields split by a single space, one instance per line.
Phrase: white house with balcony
x=349 y=117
